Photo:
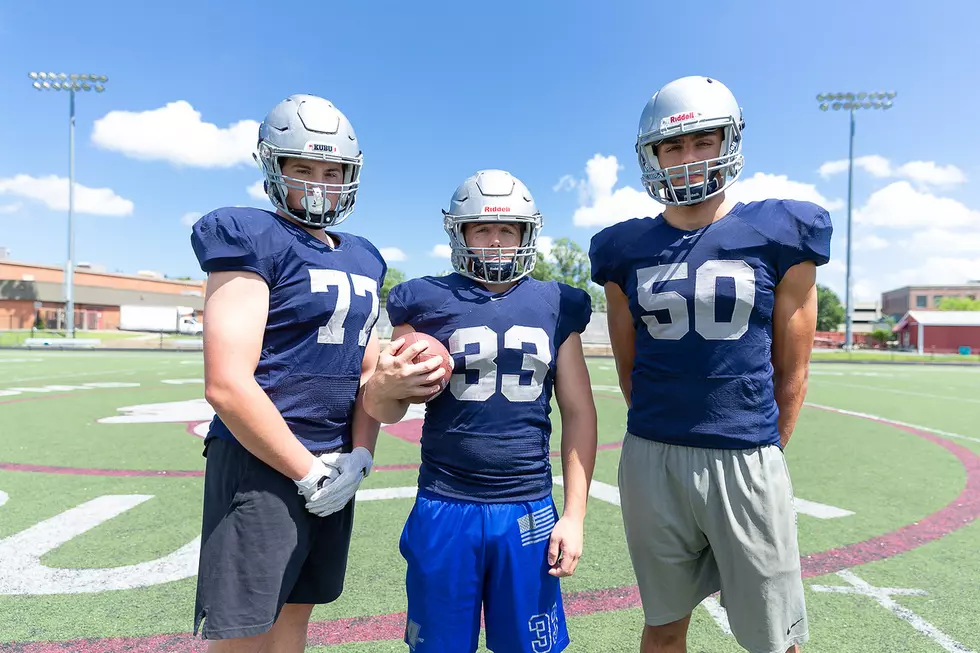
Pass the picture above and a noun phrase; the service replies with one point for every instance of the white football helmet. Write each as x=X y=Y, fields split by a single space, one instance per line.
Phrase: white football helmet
x=493 y=196
x=309 y=127
x=686 y=105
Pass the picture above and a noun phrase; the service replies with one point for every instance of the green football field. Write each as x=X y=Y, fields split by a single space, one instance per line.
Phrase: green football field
x=101 y=476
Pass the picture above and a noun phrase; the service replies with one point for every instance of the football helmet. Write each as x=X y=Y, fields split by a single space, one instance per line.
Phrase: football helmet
x=686 y=105
x=493 y=196
x=309 y=127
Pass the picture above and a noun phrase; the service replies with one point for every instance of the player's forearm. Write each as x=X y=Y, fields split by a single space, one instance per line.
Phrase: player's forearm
x=790 y=390
x=380 y=406
x=626 y=384
x=364 y=428
x=578 y=453
x=255 y=422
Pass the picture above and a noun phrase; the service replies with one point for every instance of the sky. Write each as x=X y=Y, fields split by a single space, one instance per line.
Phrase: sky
x=551 y=91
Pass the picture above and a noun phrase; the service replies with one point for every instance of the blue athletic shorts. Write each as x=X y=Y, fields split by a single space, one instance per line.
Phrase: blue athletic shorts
x=463 y=556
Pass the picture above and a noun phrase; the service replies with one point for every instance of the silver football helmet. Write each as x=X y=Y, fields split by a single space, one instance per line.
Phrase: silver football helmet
x=686 y=105
x=309 y=127
x=493 y=196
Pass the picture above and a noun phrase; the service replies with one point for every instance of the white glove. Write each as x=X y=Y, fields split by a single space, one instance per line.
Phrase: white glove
x=332 y=497
x=319 y=476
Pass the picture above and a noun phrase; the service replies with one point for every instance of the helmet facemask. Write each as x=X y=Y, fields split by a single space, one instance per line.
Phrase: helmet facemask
x=316 y=211
x=493 y=264
x=717 y=173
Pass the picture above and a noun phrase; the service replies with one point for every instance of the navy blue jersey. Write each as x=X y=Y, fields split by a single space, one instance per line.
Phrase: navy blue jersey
x=702 y=304
x=487 y=436
x=323 y=303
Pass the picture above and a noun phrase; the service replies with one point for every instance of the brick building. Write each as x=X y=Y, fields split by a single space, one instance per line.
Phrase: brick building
x=28 y=291
x=896 y=303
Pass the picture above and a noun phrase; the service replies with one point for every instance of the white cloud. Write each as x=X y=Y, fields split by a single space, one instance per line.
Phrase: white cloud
x=52 y=191
x=874 y=164
x=257 y=190
x=899 y=205
x=544 y=245
x=599 y=204
x=188 y=219
x=441 y=251
x=927 y=172
x=762 y=186
x=870 y=242
x=567 y=182
x=176 y=133
x=944 y=241
x=392 y=254
x=922 y=172
x=6 y=209
x=935 y=270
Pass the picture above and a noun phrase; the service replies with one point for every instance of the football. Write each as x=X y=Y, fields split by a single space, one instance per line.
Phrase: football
x=436 y=350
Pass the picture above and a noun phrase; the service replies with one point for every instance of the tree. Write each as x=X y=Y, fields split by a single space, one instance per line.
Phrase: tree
x=568 y=263
x=882 y=336
x=959 y=304
x=392 y=279
x=830 y=312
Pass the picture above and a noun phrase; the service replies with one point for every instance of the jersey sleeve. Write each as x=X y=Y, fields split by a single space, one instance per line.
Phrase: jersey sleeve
x=222 y=242
x=602 y=257
x=400 y=305
x=574 y=311
x=814 y=230
x=379 y=260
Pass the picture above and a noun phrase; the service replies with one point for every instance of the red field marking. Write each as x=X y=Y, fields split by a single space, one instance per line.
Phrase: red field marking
x=955 y=515
x=409 y=430
x=960 y=512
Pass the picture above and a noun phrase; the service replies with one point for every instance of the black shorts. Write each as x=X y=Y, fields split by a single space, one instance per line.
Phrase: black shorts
x=260 y=547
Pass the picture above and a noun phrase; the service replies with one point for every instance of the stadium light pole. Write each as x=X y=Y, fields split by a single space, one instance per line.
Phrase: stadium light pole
x=852 y=102
x=73 y=83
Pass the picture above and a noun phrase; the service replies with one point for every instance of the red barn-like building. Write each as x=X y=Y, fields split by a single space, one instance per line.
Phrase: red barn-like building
x=939 y=331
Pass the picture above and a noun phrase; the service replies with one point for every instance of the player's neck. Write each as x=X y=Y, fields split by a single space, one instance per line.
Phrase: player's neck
x=695 y=216
x=319 y=234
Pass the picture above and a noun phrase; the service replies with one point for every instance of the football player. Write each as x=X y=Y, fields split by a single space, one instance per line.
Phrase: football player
x=712 y=310
x=484 y=531
x=288 y=343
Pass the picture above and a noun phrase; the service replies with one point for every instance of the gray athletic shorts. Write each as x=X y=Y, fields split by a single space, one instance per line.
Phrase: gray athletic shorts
x=703 y=520
x=260 y=547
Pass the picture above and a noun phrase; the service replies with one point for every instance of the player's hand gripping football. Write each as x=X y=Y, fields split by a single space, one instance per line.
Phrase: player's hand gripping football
x=399 y=377
x=351 y=468
x=565 y=547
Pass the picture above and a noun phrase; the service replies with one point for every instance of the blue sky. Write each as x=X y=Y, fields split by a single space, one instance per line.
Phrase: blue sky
x=550 y=91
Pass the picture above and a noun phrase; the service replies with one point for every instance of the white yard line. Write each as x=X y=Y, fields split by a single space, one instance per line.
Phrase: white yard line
x=885 y=420
x=883 y=597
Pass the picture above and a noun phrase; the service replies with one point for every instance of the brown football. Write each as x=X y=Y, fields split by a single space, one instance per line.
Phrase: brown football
x=436 y=350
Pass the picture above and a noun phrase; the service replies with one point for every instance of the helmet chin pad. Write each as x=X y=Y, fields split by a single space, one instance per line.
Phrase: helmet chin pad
x=315 y=202
x=696 y=193
x=493 y=271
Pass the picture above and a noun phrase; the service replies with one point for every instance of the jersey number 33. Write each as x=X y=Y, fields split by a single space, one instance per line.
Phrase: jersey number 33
x=484 y=362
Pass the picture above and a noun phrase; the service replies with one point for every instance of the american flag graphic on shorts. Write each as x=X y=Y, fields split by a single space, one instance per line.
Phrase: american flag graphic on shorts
x=536 y=526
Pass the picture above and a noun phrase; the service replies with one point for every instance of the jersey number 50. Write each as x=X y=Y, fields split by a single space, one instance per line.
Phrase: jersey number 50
x=705 y=283
x=484 y=361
